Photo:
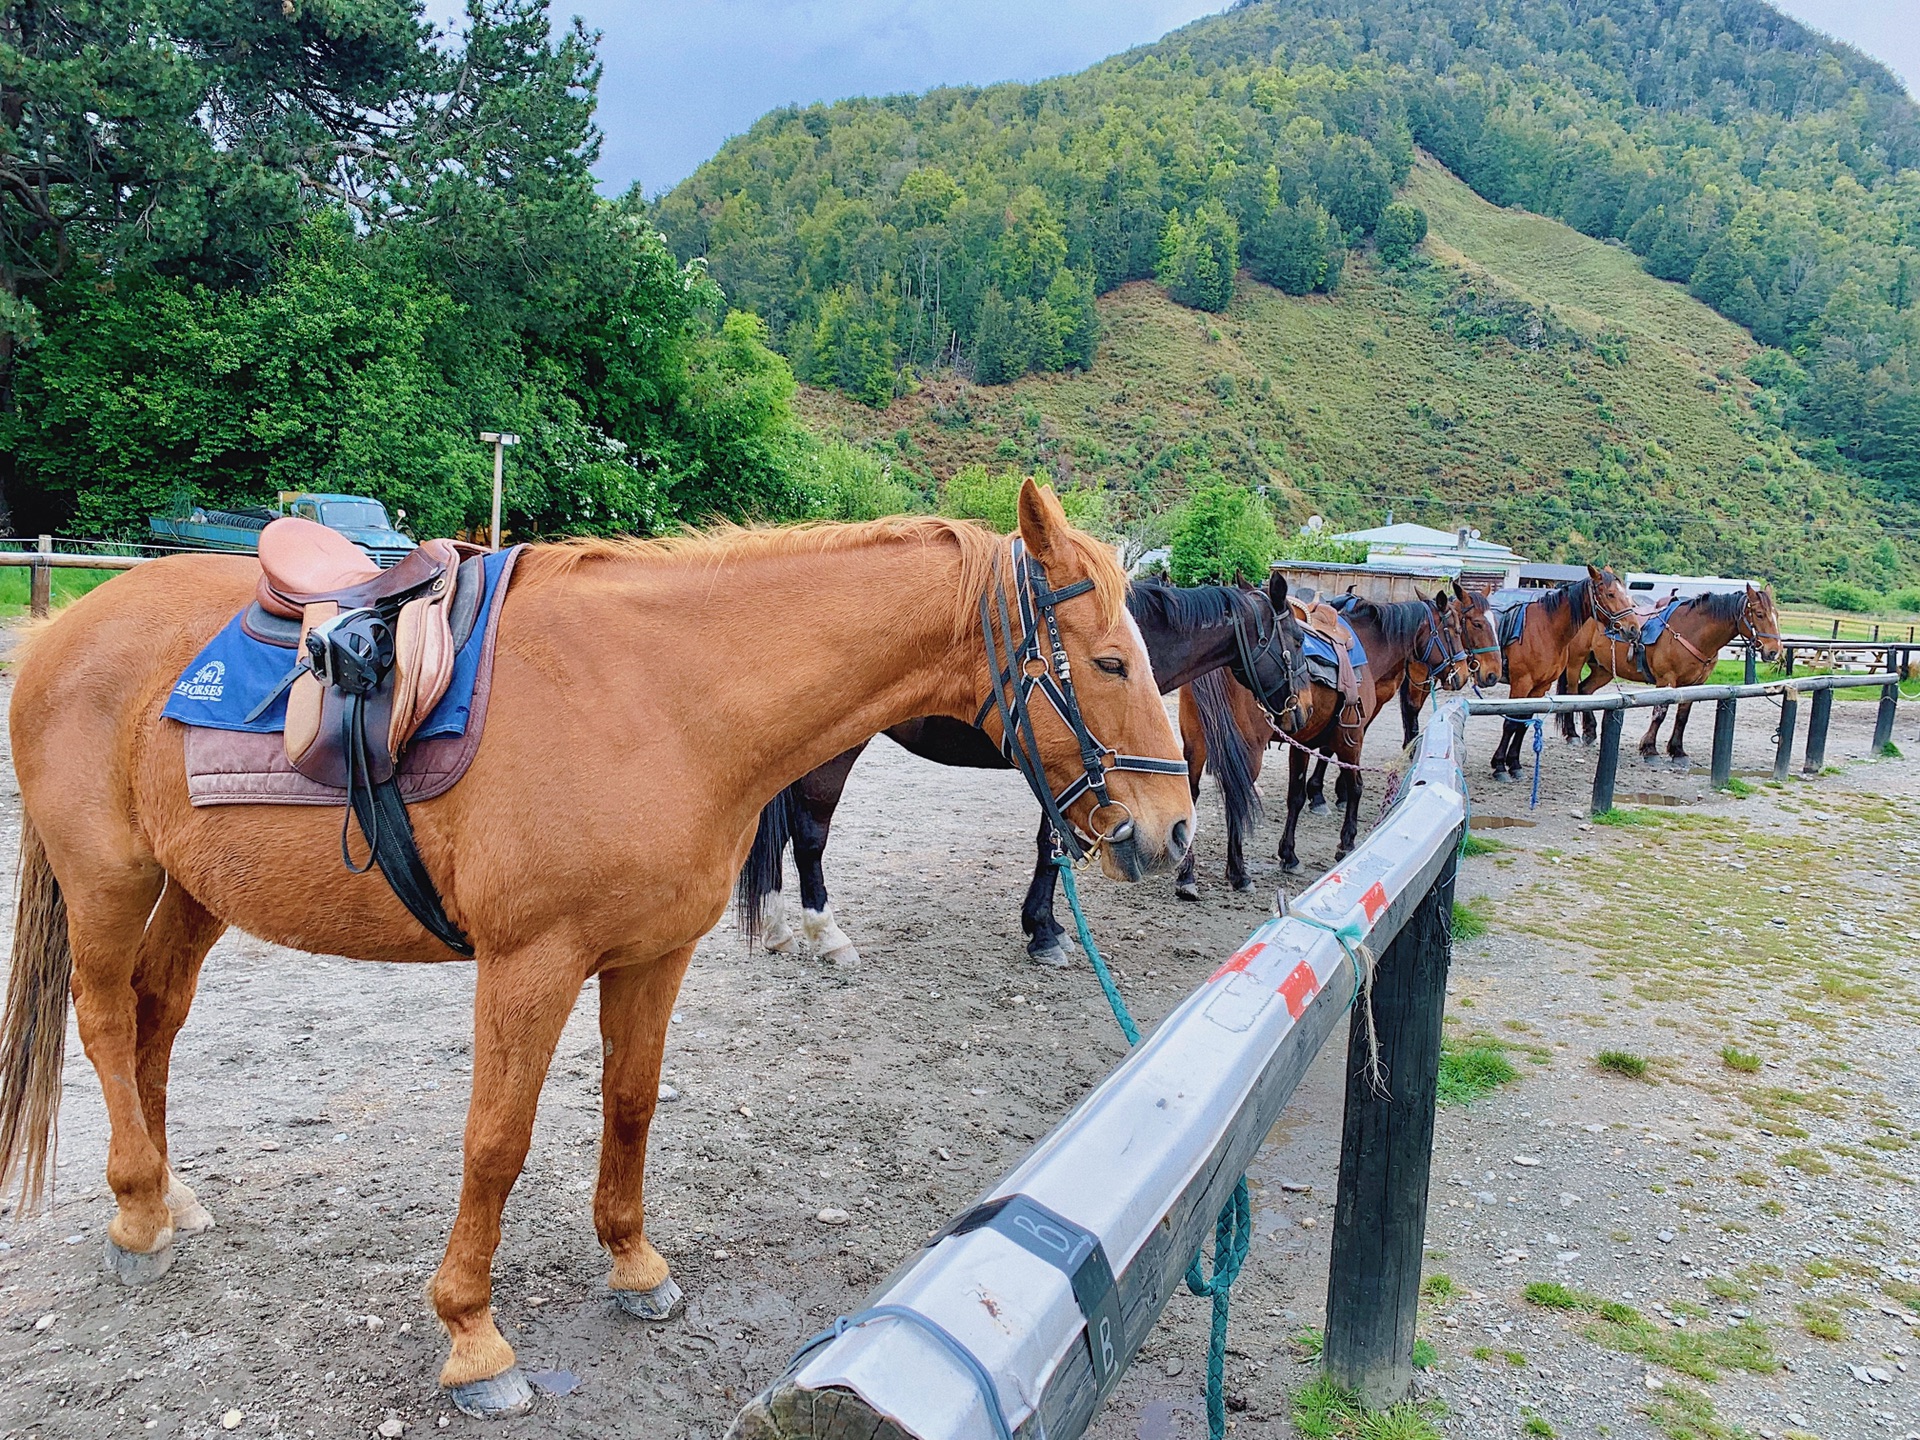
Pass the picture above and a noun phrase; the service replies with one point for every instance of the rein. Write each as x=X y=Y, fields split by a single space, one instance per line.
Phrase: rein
x=1249 y=671
x=1028 y=668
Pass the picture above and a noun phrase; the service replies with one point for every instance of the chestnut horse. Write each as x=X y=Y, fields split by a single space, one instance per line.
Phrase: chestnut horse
x=1187 y=631
x=648 y=698
x=1684 y=653
x=1223 y=721
x=1562 y=628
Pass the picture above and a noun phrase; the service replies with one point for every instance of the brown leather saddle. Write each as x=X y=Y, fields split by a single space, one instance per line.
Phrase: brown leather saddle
x=377 y=650
x=1320 y=618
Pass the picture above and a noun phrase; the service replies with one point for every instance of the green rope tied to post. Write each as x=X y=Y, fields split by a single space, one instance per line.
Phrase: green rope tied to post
x=1232 y=1231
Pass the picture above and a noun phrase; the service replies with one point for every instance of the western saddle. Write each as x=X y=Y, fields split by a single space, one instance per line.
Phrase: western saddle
x=377 y=654
x=1320 y=618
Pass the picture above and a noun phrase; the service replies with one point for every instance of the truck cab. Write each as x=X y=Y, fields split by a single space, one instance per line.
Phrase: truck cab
x=361 y=520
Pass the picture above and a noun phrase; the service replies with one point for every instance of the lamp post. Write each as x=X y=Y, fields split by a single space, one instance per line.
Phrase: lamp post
x=499 y=439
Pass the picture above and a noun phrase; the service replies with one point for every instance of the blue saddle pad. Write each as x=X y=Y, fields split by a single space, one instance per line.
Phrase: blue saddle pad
x=235 y=672
x=1511 y=623
x=1651 y=627
x=1316 y=647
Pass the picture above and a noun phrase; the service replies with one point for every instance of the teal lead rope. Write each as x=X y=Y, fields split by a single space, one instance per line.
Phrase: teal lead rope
x=1231 y=1232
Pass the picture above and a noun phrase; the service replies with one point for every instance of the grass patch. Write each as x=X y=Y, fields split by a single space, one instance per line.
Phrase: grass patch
x=1552 y=1295
x=1438 y=1289
x=1472 y=918
x=1467 y=1073
x=1806 y=1160
x=1310 y=1342
x=1907 y=1294
x=1722 y=1288
x=1684 y=1414
x=1626 y=817
x=1324 y=1411
x=1703 y=1354
x=1425 y=1357
x=1739 y=788
x=1537 y=1425
x=1622 y=1062
x=1891 y=751
x=1479 y=845
x=1820 y=1320
x=68 y=585
x=1734 y=1058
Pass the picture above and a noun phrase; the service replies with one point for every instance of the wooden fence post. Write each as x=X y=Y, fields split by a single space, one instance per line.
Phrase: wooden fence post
x=1386 y=1152
x=1723 y=716
x=1817 y=731
x=1790 y=654
x=1608 y=767
x=1883 y=722
x=40 y=583
x=1753 y=663
x=1783 y=737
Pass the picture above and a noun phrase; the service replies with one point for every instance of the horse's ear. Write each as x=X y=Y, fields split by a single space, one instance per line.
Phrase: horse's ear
x=1595 y=574
x=1459 y=593
x=1277 y=590
x=1041 y=521
x=1440 y=598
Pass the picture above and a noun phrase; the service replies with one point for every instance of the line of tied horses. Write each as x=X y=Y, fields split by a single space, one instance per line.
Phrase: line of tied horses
x=1236 y=655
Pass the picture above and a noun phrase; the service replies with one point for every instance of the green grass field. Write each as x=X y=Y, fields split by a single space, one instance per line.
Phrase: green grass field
x=67 y=585
x=1604 y=420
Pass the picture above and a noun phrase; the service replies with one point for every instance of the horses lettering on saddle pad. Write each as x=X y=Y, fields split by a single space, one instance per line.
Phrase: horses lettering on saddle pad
x=233 y=699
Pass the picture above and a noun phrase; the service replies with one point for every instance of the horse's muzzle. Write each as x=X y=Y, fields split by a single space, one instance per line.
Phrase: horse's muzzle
x=1129 y=860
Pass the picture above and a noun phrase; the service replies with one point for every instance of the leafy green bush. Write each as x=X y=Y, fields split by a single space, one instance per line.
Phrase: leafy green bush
x=1402 y=227
x=1222 y=533
x=1854 y=599
x=1320 y=545
x=847 y=483
x=1908 y=600
x=1293 y=247
x=993 y=499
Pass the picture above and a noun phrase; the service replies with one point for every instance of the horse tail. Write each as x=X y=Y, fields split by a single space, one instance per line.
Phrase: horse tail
x=33 y=1032
x=1229 y=755
x=761 y=875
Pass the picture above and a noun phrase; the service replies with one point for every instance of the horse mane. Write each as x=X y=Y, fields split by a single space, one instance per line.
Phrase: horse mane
x=1398 y=622
x=1184 y=607
x=1729 y=606
x=727 y=543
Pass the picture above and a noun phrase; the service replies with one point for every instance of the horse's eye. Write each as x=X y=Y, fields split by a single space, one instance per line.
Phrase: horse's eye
x=1112 y=665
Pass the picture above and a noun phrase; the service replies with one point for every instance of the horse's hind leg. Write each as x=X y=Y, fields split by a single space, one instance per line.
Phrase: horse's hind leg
x=1296 y=801
x=1677 y=738
x=1347 y=790
x=107 y=921
x=177 y=939
x=521 y=1003
x=1193 y=744
x=818 y=796
x=1650 y=742
x=635 y=1003
x=1317 y=788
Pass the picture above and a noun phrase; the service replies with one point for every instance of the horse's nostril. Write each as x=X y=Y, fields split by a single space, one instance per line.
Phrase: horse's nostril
x=1179 y=837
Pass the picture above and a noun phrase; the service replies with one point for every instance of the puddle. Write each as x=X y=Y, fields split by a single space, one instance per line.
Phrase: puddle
x=1647 y=797
x=1499 y=822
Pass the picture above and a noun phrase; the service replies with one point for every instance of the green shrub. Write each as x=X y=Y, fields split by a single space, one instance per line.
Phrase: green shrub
x=1220 y=534
x=1622 y=1062
x=993 y=499
x=1470 y=1072
x=1402 y=227
x=1320 y=545
x=1908 y=600
x=1198 y=257
x=1854 y=599
x=853 y=484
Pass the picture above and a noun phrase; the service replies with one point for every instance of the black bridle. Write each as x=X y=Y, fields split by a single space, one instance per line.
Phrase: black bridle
x=1609 y=619
x=1444 y=638
x=1030 y=666
x=1262 y=645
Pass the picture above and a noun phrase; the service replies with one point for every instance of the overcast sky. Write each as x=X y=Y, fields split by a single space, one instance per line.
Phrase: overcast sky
x=683 y=75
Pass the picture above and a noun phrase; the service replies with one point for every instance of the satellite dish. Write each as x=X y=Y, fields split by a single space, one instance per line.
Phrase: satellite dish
x=1314 y=525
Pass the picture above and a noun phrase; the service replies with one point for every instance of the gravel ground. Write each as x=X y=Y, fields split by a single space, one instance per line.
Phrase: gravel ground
x=318 y=1107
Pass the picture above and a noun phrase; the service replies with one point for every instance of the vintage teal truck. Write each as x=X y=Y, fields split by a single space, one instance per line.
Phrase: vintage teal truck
x=361 y=520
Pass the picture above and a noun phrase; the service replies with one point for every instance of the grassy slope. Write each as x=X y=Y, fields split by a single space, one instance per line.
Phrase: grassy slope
x=1350 y=403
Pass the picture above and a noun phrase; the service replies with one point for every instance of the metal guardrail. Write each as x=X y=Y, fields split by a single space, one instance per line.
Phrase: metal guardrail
x=1136 y=1174
x=1726 y=700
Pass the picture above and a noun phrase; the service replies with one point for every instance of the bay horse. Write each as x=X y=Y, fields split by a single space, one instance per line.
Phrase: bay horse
x=1559 y=631
x=1223 y=722
x=648 y=698
x=1188 y=631
x=1683 y=653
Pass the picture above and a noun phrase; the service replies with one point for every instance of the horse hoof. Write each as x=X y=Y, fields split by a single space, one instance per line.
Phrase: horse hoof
x=1187 y=890
x=1243 y=884
x=1291 y=867
x=190 y=1217
x=844 y=957
x=497 y=1398
x=780 y=942
x=1319 y=807
x=130 y=1267
x=662 y=1302
x=1054 y=956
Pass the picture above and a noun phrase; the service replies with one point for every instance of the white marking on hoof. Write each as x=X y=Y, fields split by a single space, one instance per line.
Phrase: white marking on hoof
x=775 y=933
x=1318 y=807
x=130 y=1267
x=662 y=1302
x=827 y=938
x=496 y=1398
x=190 y=1217
x=1054 y=956
x=843 y=957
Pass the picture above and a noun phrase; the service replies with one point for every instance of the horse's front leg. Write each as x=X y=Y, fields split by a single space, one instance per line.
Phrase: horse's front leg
x=1677 y=741
x=1347 y=790
x=1317 y=788
x=1045 y=936
x=1650 y=742
x=1193 y=745
x=1565 y=719
x=636 y=1002
x=1413 y=695
x=1296 y=802
x=1506 y=755
x=521 y=1003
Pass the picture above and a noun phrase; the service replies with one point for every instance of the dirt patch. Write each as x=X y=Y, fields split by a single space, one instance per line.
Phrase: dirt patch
x=319 y=1105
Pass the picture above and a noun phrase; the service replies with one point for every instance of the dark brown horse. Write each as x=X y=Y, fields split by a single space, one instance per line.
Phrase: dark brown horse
x=1223 y=724
x=1187 y=632
x=1695 y=632
x=1552 y=640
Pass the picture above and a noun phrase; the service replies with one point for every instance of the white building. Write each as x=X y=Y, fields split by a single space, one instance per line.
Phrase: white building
x=1460 y=553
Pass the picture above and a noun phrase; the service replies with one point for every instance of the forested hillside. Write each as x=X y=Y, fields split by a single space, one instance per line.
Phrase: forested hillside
x=1717 y=144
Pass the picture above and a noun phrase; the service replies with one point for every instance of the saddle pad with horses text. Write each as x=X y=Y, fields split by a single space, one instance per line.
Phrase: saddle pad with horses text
x=235 y=760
